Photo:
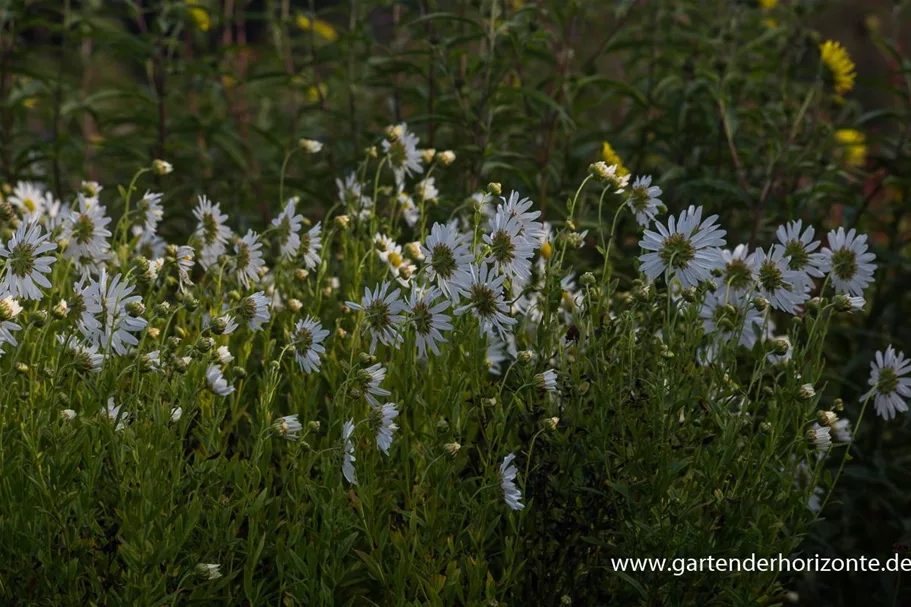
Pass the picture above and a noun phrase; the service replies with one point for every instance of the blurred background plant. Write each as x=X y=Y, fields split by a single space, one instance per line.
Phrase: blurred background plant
x=753 y=109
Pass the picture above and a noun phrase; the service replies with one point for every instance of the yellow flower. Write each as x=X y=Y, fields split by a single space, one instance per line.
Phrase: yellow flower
x=768 y=5
x=200 y=16
x=30 y=102
x=314 y=94
x=835 y=57
x=609 y=156
x=318 y=26
x=853 y=146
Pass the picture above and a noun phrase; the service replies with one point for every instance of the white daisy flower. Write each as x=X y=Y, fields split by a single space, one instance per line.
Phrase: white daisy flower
x=255 y=310
x=217 y=382
x=785 y=289
x=209 y=571
x=509 y=252
x=9 y=309
x=511 y=494
x=185 y=255
x=499 y=351
x=68 y=414
x=249 y=258
x=799 y=248
x=737 y=272
x=728 y=314
x=224 y=355
x=151 y=211
x=786 y=346
x=114 y=414
x=55 y=212
x=889 y=389
x=820 y=437
x=447 y=257
x=382 y=311
x=223 y=325
x=307 y=343
x=150 y=245
x=530 y=229
x=426 y=189
x=151 y=361
x=841 y=430
x=91 y=190
x=686 y=250
x=211 y=230
x=348 y=458
x=111 y=313
x=311 y=244
x=87 y=236
x=288 y=427
x=26 y=264
x=427 y=318
x=404 y=155
x=846 y=258
x=643 y=200
x=351 y=195
x=86 y=357
x=288 y=225
x=484 y=202
x=387 y=413
x=410 y=211
x=29 y=199
x=547 y=381
x=484 y=293
x=370 y=380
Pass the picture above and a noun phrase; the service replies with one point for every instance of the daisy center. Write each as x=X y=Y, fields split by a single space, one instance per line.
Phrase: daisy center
x=398 y=154
x=29 y=204
x=844 y=264
x=502 y=247
x=284 y=230
x=304 y=340
x=737 y=275
x=443 y=263
x=639 y=199
x=422 y=318
x=483 y=300
x=209 y=228
x=243 y=255
x=22 y=259
x=377 y=314
x=677 y=251
x=798 y=254
x=395 y=260
x=83 y=229
x=770 y=277
x=888 y=381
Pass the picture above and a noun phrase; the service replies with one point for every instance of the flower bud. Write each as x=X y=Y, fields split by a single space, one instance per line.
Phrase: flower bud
x=161 y=167
x=38 y=318
x=494 y=188
x=587 y=279
x=826 y=418
x=204 y=344
x=68 y=415
x=342 y=221
x=427 y=155
x=761 y=303
x=153 y=332
x=446 y=157
x=807 y=392
x=310 y=146
x=136 y=308
x=295 y=305
x=452 y=448
x=394 y=133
